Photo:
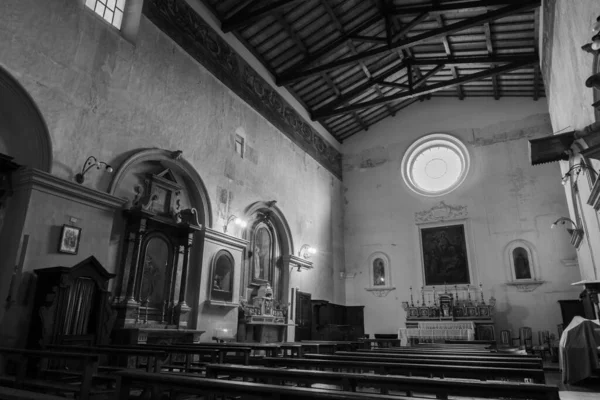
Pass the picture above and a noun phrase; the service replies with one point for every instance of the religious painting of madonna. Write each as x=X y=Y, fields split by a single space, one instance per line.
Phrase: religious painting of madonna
x=445 y=255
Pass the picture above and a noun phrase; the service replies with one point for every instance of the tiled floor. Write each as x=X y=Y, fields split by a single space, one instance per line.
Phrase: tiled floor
x=566 y=395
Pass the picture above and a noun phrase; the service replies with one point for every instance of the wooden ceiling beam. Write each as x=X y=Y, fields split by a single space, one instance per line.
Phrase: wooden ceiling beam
x=536 y=82
x=475 y=60
x=286 y=78
x=490 y=48
x=372 y=39
x=353 y=93
x=437 y=7
x=326 y=113
x=244 y=18
x=405 y=28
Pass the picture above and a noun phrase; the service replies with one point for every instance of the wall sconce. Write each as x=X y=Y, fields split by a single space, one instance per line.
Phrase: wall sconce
x=236 y=220
x=562 y=221
x=306 y=251
x=89 y=163
x=575 y=169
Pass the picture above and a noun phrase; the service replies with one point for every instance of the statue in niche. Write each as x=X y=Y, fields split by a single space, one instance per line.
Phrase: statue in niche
x=154 y=272
x=262 y=254
x=378 y=272
x=521 y=263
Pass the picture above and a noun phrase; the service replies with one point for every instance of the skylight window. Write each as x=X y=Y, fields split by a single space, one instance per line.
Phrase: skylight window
x=435 y=165
x=110 y=10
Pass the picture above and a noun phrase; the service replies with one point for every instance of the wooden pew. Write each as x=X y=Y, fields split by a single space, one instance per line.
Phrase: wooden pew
x=158 y=383
x=499 y=363
x=399 y=368
x=338 y=345
x=441 y=388
x=153 y=357
x=402 y=350
x=433 y=358
x=7 y=393
x=83 y=387
x=193 y=357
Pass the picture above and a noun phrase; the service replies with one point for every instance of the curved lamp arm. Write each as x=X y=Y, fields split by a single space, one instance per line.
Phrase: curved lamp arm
x=89 y=163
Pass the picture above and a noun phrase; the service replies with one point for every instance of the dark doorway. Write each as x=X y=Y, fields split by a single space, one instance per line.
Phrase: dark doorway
x=303 y=316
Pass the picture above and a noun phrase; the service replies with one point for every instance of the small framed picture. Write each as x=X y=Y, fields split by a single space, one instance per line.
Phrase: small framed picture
x=69 y=239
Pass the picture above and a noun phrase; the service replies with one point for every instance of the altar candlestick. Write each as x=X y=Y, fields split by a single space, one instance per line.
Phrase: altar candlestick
x=422 y=295
x=481 y=289
x=412 y=304
x=434 y=297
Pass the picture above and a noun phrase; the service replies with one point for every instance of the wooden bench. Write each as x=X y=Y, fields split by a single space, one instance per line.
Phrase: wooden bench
x=7 y=393
x=158 y=383
x=401 y=368
x=434 y=358
x=338 y=345
x=152 y=358
x=500 y=363
x=433 y=352
x=193 y=358
x=82 y=386
x=441 y=388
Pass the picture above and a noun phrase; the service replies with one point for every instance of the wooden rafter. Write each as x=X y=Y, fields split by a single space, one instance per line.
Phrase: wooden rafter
x=437 y=7
x=334 y=45
x=325 y=113
x=490 y=48
x=407 y=27
x=474 y=60
x=245 y=17
x=295 y=75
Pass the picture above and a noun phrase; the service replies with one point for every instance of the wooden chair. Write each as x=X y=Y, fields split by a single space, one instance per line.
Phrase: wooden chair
x=505 y=339
x=525 y=338
x=544 y=344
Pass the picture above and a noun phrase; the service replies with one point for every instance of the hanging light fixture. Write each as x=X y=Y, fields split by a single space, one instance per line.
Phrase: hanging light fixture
x=89 y=163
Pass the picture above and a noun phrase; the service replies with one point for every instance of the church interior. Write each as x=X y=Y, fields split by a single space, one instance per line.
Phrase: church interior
x=299 y=199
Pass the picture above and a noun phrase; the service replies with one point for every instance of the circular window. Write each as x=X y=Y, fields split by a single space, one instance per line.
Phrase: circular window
x=435 y=164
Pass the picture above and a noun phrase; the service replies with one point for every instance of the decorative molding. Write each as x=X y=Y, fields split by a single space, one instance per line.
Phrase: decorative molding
x=35 y=179
x=526 y=285
x=440 y=213
x=380 y=292
x=185 y=27
x=224 y=304
x=570 y=262
x=221 y=238
x=175 y=161
x=297 y=262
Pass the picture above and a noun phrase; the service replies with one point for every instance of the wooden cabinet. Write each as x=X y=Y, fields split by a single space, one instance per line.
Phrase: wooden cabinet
x=336 y=322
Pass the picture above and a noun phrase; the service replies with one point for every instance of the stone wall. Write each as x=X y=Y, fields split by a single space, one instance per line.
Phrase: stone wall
x=104 y=96
x=505 y=197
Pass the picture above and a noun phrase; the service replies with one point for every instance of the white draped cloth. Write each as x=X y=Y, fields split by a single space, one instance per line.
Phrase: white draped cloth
x=438 y=330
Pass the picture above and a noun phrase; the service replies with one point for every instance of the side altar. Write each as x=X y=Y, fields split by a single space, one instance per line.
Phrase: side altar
x=263 y=320
x=462 y=315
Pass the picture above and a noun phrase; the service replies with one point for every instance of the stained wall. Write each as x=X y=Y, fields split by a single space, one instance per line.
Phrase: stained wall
x=104 y=96
x=505 y=197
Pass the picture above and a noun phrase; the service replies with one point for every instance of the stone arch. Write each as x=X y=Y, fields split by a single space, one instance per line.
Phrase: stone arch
x=284 y=238
x=22 y=119
x=278 y=219
x=175 y=161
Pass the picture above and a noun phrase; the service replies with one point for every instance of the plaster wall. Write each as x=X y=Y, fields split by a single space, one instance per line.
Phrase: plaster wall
x=104 y=96
x=506 y=199
x=569 y=102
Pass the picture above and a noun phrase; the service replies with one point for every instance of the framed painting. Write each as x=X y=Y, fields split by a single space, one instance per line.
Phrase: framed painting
x=445 y=258
x=69 y=239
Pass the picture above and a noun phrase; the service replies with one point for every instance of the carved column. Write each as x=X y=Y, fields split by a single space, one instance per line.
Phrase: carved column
x=135 y=264
x=182 y=308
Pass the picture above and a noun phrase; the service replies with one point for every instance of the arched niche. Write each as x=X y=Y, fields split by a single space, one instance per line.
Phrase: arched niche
x=267 y=217
x=522 y=266
x=23 y=132
x=139 y=161
x=128 y=183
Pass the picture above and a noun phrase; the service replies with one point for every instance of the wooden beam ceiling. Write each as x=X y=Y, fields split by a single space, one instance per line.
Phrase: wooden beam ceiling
x=294 y=74
x=246 y=17
x=328 y=112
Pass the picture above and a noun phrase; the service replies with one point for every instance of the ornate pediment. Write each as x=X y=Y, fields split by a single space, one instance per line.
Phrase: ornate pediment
x=441 y=212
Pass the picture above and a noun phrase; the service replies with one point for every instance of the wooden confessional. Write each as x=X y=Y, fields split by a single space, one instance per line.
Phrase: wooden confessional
x=72 y=305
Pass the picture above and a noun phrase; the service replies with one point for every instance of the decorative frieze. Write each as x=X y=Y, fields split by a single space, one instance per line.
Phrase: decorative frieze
x=440 y=213
x=186 y=28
